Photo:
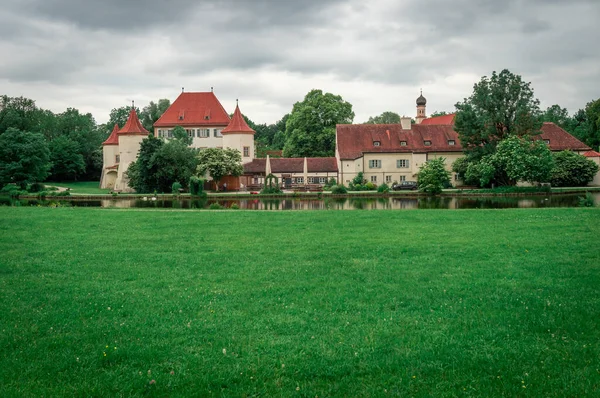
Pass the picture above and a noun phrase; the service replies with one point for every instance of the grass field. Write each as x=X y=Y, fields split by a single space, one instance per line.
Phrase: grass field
x=100 y=302
x=81 y=187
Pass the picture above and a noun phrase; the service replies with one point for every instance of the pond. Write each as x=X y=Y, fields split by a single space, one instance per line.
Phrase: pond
x=390 y=203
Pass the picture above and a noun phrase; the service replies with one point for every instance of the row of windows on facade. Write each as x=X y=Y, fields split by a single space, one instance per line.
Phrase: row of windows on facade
x=400 y=163
x=388 y=179
x=426 y=143
x=200 y=133
x=246 y=153
x=300 y=180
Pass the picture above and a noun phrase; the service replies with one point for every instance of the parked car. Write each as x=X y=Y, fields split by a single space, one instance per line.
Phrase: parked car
x=409 y=185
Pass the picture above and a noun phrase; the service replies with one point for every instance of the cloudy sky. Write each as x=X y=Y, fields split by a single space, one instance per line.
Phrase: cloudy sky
x=376 y=54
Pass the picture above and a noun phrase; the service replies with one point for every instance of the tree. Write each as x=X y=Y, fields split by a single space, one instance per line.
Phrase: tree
x=439 y=113
x=500 y=106
x=24 y=157
x=119 y=116
x=18 y=112
x=218 y=162
x=572 y=170
x=310 y=129
x=559 y=116
x=433 y=176
x=175 y=162
x=384 y=118
x=592 y=113
x=180 y=134
x=152 y=112
x=67 y=161
x=143 y=172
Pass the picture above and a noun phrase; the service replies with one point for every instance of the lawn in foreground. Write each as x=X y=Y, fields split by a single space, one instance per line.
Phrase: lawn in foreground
x=180 y=303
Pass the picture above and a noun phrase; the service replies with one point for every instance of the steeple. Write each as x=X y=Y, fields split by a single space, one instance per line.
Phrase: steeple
x=421 y=108
x=238 y=124
x=113 y=139
x=133 y=125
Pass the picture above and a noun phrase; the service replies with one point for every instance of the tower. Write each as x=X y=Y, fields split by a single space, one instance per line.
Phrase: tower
x=421 y=111
x=238 y=135
x=130 y=139
x=110 y=156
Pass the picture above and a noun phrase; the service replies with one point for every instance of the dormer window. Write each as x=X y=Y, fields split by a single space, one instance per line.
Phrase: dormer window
x=402 y=143
x=547 y=142
x=376 y=143
x=180 y=117
x=427 y=143
x=206 y=117
x=451 y=142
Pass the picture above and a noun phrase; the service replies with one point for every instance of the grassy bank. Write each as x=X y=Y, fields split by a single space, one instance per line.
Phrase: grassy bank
x=81 y=187
x=422 y=303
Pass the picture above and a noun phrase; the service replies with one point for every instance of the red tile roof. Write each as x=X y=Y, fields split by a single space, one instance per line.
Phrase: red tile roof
x=292 y=165
x=591 y=154
x=194 y=109
x=353 y=140
x=133 y=125
x=560 y=139
x=238 y=124
x=445 y=119
x=113 y=139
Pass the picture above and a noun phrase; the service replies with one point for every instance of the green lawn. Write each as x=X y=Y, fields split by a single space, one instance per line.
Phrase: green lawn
x=102 y=302
x=81 y=187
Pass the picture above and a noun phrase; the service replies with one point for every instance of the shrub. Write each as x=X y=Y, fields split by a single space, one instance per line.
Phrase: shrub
x=175 y=188
x=369 y=186
x=572 y=170
x=271 y=185
x=215 y=206
x=234 y=206
x=433 y=176
x=383 y=188
x=12 y=190
x=196 y=186
x=330 y=184
x=587 y=201
x=37 y=187
x=339 y=190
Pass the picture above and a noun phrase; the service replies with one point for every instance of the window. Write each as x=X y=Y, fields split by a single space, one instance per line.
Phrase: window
x=299 y=180
x=402 y=163
x=547 y=142
x=451 y=142
x=376 y=143
x=203 y=133
x=160 y=133
x=402 y=143
x=427 y=143
x=190 y=132
x=373 y=178
x=169 y=133
x=217 y=133
x=388 y=178
x=374 y=164
x=402 y=178
x=317 y=180
x=246 y=151
x=117 y=158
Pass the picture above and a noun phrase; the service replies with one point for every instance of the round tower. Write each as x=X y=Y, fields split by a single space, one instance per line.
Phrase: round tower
x=421 y=108
x=238 y=135
x=110 y=156
x=130 y=139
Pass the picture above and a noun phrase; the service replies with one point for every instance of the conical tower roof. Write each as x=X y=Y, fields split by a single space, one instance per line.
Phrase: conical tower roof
x=238 y=124
x=133 y=125
x=113 y=139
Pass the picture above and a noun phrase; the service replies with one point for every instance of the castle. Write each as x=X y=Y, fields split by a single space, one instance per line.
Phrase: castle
x=384 y=153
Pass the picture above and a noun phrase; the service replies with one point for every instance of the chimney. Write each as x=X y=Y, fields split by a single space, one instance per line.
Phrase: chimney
x=405 y=122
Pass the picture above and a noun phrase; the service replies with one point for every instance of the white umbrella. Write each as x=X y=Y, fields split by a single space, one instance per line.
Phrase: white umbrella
x=305 y=171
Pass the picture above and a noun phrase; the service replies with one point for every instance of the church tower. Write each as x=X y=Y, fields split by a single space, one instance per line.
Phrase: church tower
x=238 y=135
x=421 y=111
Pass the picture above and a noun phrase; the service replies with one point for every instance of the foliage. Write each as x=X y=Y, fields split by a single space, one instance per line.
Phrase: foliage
x=383 y=188
x=330 y=183
x=217 y=163
x=175 y=188
x=310 y=129
x=13 y=191
x=339 y=189
x=590 y=134
x=216 y=206
x=19 y=113
x=271 y=185
x=197 y=186
x=587 y=200
x=119 y=116
x=384 y=118
x=175 y=161
x=439 y=113
x=67 y=160
x=143 y=173
x=37 y=187
x=179 y=133
x=500 y=107
x=24 y=158
x=572 y=170
x=433 y=176
x=359 y=179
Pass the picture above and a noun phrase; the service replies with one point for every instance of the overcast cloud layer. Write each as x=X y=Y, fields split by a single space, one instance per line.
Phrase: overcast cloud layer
x=377 y=54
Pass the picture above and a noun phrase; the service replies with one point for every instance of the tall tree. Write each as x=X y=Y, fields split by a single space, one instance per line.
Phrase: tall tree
x=439 y=113
x=19 y=113
x=592 y=113
x=67 y=161
x=384 y=118
x=152 y=112
x=500 y=106
x=24 y=157
x=310 y=129
x=218 y=162
x=119 y=116
x=559 y=116
x=143 y=173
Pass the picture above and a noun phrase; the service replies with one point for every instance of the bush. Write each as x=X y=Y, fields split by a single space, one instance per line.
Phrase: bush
x=175 y=188
x=383 y=188
x=572 y=170
x=216 y=206
x=332 y=182
x=196 y=186
x=234 y=206
x=12 y=190
x=433 y=176
x=587 y=201
x=339 y=190
x=370 y=186
x=37 y=187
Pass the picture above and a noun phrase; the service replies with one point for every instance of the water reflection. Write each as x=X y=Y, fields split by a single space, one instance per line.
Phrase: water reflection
x=390 y=203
